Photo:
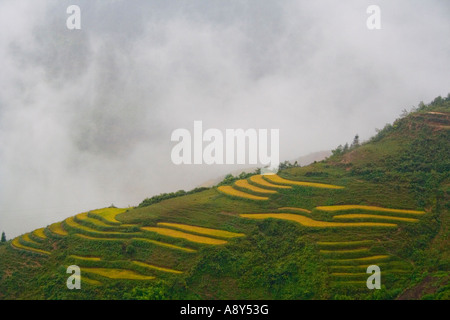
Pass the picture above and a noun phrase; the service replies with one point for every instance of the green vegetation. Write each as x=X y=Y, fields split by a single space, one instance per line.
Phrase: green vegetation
x=383 y=202
x=166 y=196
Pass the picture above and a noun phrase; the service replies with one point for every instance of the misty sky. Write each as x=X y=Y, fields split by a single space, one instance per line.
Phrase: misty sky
x=86 y=115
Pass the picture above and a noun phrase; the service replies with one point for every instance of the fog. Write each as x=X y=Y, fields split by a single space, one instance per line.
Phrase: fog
x=86 y=115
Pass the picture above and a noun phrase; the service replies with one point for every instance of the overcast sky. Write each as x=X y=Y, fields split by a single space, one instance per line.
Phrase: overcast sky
x=86 y=115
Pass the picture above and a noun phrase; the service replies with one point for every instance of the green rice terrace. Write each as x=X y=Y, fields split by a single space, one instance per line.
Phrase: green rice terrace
x=305 y=233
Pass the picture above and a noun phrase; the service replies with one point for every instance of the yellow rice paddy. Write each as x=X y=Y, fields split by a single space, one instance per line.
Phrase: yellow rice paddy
x=40 y=233
x=26 y=238
x=117 y=273
x=362 y=266
x=373 y=216
x=258 y=179
x=345 y=243
x=277 y=179
x=344 y=251
x=164 y=244
x=84 y=217
x=229 y=190
x=72 y=223
x=155 y=242
x=85 y=258
x=99 y=239
x=109 y=213
x=90 y=281
x=373 y=258
x=87 y=280
x=308 y=222
x=202 y=230
x=369 y=208
x=353 y=283
x=150 y=266
x=244 y=184
x=183 y=235
x=16 y=244
x=295 y=209
x=348 y=274
x=58 y=229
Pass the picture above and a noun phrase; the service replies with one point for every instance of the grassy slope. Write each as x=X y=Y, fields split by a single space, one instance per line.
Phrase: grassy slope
x=405 y=166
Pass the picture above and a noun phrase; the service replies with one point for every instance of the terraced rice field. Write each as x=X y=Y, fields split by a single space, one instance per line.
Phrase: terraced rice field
x=244 y=184
x=80 y=235
x=155 y=242
x=90 y=281
x=150 y=266
x=87 y=280
x=347 y=262
x=294 y=209
x=259 y=180
x=346 y=244
x=201 y=230
x=357 y=268
x=57 y=228
x=350 y=275
x=187 y=236
x=359 y=250
x=40 y=233
x=73 y=224
x=362 y=260
x=357 y=216
x=164 y=244
x=16 y=244
x=117 y=273
x=108 y=214
x=357 y=284
x=308 y=222
x=277 y=179
x=367 y=208
x=26 y=238
x=84 y=217
x=85 y=258
x=138 y=263
x=229 y=190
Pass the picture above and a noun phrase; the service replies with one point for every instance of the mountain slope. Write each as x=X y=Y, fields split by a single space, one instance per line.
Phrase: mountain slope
x=308 y=233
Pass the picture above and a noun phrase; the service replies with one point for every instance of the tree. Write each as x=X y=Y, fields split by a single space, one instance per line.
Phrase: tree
x=229 y=179
x=3 y=237
x=338 y=150
x=284 y=165
x=421 y=106
x=345 y=148
x=355 y=141
x=243 y=175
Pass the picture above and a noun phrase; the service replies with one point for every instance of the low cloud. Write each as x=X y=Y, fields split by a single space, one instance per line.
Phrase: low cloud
x=86 y=115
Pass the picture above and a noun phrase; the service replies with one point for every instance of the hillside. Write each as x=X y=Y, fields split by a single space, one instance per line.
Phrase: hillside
x=306 y=233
